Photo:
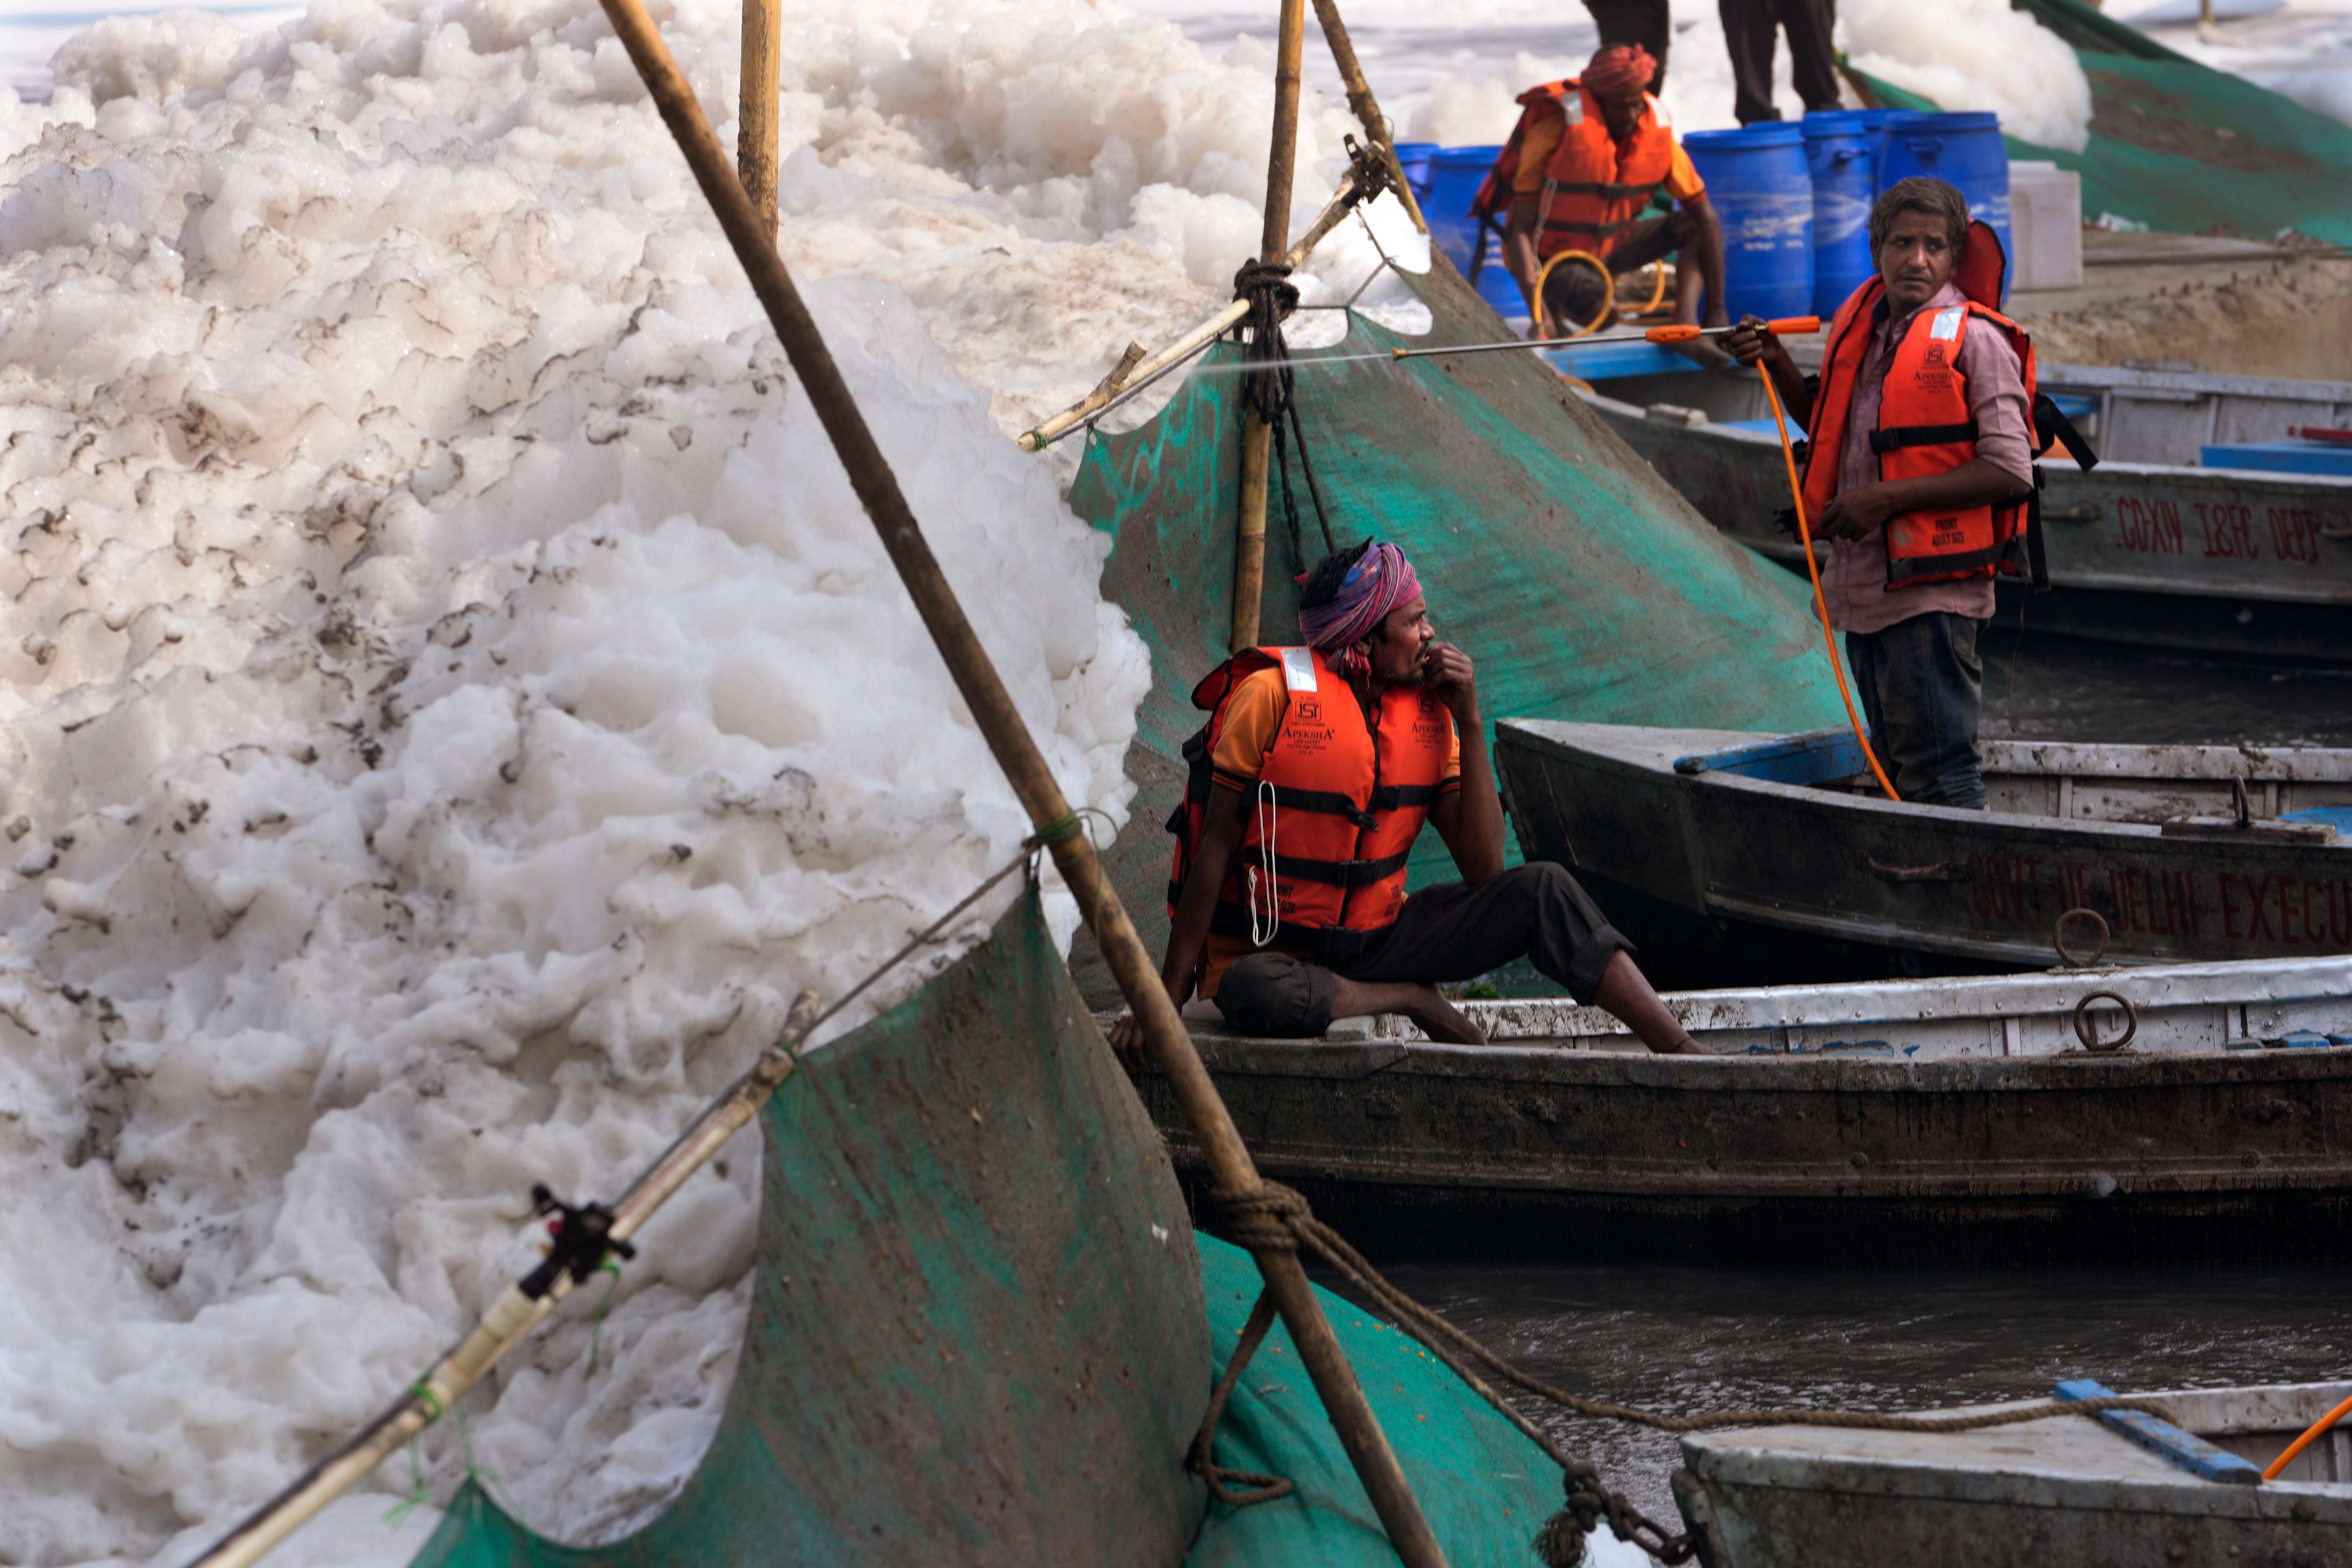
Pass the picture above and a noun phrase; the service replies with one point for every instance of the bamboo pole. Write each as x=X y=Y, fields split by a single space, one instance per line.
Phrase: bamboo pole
x=755 y=119
x=1140 y=368
x=521 y=1307
x=1366 y=107
x=1016 y=753
x=1257 y=439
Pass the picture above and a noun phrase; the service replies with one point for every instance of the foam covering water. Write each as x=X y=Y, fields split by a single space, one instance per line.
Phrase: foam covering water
x=452 y=700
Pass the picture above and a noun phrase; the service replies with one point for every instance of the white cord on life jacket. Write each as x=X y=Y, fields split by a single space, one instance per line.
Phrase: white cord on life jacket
x=1263 y=932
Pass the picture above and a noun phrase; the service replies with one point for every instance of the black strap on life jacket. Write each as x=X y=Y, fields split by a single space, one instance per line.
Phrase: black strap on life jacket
x=1317 y=942
x=1893 y=436
x=2050 y=423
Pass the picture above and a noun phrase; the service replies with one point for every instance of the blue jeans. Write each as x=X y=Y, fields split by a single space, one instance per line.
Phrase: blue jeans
x=1921 y=683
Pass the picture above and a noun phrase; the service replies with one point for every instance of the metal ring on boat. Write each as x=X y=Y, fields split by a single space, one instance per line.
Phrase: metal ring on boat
x=2058 y=937
x=2087 y=1031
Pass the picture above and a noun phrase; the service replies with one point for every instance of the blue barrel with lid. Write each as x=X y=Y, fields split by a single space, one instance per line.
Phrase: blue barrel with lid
x=1964 y=151
x=1412 y=157
x=1841 y=153
x=1759 y=187
x=1455 y=175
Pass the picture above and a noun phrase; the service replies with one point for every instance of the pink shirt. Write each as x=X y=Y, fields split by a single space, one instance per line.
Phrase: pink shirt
x=1855 y=581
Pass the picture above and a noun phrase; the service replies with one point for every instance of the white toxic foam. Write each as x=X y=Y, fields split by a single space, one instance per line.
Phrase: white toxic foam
x=452 y=700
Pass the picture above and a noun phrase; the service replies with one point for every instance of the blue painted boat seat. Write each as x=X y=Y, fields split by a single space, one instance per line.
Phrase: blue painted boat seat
x=2282 y=457
x=2338 y=817
x=1815 y=757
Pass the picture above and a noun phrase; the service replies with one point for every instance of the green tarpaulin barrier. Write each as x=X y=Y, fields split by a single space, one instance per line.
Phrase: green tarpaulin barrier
x=2184 y=148
x=980 y=1339
x=976 y=1334
x=1581 y=585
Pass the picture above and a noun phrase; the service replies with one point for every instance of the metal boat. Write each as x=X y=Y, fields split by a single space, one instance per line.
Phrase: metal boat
x=2162 y=544
x=1766 y=855
x=2122 y=1490
x=2113 y=1110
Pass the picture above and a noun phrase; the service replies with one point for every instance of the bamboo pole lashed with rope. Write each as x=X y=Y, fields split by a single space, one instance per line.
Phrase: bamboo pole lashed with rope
x=1257 y=436
x=1171 y=1047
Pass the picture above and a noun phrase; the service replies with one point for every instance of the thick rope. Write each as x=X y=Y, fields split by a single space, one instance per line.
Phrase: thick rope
x=1274 y=1217
x=1202 y=1460
x=1270 y=389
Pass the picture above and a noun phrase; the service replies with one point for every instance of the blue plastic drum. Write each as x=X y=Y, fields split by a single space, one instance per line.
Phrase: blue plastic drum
x=1455 y=175
x=1413 y=158
x=1964 y=150
x=1841 y=151
x=1759 y=187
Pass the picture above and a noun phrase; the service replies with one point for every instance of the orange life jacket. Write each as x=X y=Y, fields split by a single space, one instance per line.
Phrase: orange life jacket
x=1592 y=194
x=1924 y=427
x=1335 y=810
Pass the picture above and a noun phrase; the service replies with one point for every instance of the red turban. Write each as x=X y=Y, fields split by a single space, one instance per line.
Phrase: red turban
x=1619 y=73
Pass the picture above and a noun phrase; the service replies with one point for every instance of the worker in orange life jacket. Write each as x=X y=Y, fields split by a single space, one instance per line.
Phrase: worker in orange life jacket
x=1578 y=173
x=1918 y=471
x=1312 y=780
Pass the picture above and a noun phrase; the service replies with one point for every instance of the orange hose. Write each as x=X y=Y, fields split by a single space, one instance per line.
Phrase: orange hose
x=1837 y=665
x=2307 y=1439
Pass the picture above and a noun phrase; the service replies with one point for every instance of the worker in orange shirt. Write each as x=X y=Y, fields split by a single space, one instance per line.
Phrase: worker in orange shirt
x=1578 y=173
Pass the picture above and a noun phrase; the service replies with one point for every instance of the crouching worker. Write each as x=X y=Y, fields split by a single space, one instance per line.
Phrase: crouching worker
x=1578 y=174
x=1309 y=785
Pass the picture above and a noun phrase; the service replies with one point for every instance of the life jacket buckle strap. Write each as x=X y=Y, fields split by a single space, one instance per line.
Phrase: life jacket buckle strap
x=1893 y=438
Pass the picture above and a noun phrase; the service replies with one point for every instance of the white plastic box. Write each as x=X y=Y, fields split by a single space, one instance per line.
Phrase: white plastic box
x=2045 y=217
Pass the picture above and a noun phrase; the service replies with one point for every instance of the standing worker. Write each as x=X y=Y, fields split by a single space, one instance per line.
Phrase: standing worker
x=1750 y=34
x=1588 y=155
x=1920 y=471
x=1308 y=786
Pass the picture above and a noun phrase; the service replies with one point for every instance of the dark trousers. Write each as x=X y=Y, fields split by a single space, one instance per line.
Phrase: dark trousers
x=1647 y=23
x=1456 y=930
x=1921 y=684
x=1750 y=29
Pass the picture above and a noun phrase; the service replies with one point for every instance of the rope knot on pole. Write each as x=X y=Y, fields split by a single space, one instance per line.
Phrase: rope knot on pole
x=1263 y=1218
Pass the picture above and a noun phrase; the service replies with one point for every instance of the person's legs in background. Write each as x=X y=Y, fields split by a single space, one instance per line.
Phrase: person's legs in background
x=1812 y=58
x=1921 y=685
x=1750 y=34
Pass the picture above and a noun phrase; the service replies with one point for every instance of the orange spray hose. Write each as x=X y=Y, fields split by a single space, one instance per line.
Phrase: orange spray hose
x=2306 y=1440
x=1804 y=531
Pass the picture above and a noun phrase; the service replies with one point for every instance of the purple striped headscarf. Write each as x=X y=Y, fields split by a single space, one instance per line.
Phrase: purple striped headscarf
x=1379 y=581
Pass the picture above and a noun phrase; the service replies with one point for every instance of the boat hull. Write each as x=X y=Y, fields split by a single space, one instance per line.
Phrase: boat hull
x=2064 y=1490
x=1538 y=1149
x=2214 y=561
x=1834 y=884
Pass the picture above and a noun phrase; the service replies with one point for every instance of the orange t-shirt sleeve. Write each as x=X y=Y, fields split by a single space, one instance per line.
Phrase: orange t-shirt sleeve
x=1536 y=149
x=1253 y=713
x=1683 y=182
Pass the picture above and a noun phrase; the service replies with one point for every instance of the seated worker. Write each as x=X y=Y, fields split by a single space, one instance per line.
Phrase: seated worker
x=1578 y=170
x=1918 y=471
x=1311 y=781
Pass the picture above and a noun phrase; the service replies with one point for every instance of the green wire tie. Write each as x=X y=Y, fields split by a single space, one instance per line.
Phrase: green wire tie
x=1057 y=831
x=483 y=1473
x=398 y=1514
x=612 y=1266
